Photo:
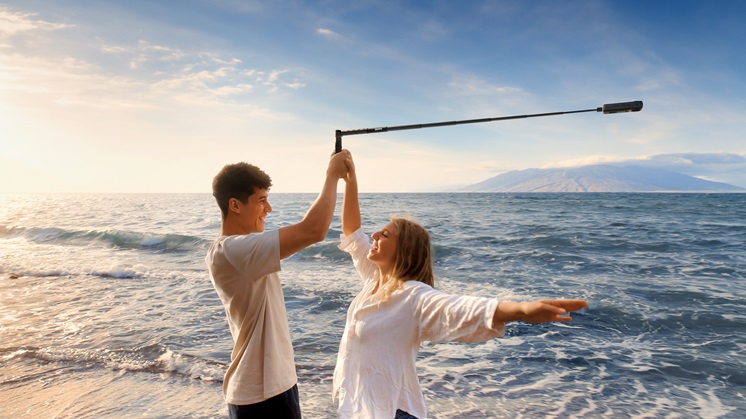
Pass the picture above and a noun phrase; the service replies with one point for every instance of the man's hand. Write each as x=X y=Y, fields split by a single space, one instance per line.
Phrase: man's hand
x=339 y=164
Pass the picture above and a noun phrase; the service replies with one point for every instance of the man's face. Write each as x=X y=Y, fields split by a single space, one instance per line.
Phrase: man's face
x=254 y=211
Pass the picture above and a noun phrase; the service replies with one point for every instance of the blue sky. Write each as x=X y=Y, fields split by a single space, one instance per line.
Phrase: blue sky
x=156 y=96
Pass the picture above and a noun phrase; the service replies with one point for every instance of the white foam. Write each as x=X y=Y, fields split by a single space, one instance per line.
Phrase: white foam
x=150 y=240
x=190 y=366
x=710 y=404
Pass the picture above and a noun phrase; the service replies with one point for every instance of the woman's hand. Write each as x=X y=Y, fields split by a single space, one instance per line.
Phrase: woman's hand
x=540 y=311
x=351 y=175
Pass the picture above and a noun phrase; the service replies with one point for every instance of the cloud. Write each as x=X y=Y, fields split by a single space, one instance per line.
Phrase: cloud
x=433 y=30
x=720 y=167
x=13 y=23
x=660 y=78
x=142 y=74
x=202 y=75
x=145 y=52
x=328 y=33
x=697 y=164
x=583 y=161
x=473 y=85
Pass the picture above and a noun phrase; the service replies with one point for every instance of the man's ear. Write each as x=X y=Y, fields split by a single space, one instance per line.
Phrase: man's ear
x=233 y=205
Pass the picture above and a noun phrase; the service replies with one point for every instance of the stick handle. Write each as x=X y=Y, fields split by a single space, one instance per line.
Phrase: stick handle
x=338 y=141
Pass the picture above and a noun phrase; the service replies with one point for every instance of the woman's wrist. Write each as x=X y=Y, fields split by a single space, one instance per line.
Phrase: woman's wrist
x=506 y=311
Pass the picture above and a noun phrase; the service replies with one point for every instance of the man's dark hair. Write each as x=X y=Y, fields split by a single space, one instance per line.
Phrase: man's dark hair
x=238 y=180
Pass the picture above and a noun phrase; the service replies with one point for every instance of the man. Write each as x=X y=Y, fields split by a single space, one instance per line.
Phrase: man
x=243 y=264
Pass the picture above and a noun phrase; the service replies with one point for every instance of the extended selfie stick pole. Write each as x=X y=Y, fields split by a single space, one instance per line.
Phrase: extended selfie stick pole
x=607 y=108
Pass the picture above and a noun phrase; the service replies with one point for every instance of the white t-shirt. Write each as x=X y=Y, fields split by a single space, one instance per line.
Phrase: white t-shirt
x=243 y=269
x=375 y=373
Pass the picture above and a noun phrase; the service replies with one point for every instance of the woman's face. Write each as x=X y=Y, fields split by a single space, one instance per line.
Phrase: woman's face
x=383 y=252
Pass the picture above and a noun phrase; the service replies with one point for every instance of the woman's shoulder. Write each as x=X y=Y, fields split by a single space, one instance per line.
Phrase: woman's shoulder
x=413 y=285
x=357 y=239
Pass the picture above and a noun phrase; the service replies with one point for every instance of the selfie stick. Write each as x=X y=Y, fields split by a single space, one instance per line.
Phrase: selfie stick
x=635 y=106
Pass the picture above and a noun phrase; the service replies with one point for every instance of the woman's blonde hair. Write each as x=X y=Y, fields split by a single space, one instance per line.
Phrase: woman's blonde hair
x=413 y=257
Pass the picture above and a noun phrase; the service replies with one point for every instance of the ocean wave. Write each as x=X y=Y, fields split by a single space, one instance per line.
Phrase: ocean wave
x=40 y=270
x=115 y=238
x=326 y=250
x=152 y=359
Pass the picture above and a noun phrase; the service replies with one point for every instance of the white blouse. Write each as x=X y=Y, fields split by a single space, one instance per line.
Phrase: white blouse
x=375 y=373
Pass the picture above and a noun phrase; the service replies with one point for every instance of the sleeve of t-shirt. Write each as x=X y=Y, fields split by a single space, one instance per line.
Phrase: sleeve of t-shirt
x=358 y=245
x=256 y=255
x=446 y=317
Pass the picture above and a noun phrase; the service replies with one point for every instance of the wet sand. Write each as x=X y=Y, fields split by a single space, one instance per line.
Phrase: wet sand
x=55 y=391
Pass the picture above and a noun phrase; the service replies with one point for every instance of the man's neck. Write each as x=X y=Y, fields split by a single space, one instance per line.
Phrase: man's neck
x=231 y=228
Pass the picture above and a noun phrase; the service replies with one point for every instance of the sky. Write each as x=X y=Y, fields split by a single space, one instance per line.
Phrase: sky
x=156 y=96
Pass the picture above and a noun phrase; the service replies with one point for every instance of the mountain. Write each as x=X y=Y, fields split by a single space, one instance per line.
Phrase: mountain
x=598 y=178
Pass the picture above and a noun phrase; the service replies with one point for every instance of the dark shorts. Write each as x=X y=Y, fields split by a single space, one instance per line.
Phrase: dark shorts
x=400 y=414
x=282 y=406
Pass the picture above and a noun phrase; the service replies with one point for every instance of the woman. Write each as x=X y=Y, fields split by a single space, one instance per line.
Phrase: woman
x=398 y=308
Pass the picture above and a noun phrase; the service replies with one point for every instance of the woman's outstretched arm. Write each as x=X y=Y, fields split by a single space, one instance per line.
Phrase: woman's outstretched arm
x=350 y=204
x=540 y=311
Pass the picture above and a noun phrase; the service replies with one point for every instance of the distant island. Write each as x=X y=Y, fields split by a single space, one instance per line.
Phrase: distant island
x=598 y=178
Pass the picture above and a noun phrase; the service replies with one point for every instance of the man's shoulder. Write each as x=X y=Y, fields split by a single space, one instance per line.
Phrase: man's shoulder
x=242 y=239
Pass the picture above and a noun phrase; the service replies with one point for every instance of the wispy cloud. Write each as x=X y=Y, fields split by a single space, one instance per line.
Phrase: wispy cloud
x=432 y=30
x=328 y=33
x=471 y=85
x=152 y=71
x=697 y=163
x=198 y=71
x=12 y=23
x=723 y=167
x=584 y=161
x=145 y=52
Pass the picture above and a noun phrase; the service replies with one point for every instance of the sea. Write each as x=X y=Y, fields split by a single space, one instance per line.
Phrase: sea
x=107 y=310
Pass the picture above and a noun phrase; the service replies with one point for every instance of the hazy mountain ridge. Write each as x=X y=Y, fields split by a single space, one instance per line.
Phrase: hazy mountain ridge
x=598 y=178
